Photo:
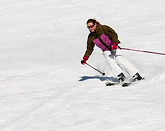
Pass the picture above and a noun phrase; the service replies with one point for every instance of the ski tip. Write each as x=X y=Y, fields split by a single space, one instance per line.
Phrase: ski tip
x=126 y=84
x=110 y=83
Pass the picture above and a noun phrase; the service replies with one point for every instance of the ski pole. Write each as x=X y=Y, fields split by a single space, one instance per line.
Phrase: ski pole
x=95 y=69
x=143 y=51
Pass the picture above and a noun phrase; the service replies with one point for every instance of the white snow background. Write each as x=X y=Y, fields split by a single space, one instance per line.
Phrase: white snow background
x=43 y=86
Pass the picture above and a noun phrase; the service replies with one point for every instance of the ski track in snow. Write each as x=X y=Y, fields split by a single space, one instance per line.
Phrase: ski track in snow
x=43 y=86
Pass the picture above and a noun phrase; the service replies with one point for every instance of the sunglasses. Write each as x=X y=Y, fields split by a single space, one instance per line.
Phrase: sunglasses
x=90 y=26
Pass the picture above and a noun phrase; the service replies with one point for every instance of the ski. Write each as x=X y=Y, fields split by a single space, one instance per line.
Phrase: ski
x=124 y=84
x=111 y=83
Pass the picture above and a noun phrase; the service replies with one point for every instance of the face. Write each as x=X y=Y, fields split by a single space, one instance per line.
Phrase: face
x=91 y=27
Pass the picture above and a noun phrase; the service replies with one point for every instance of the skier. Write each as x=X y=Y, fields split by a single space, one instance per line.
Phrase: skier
x=106 y=38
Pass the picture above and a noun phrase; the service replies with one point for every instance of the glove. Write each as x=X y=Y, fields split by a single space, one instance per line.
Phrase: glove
x=113 y=46
x=84 y=60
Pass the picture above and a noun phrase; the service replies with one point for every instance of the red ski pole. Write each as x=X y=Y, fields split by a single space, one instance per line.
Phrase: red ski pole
x=95 y=69
x=143 y=51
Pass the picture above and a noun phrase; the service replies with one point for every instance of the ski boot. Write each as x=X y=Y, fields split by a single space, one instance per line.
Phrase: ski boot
x=122 y=80
x=137 y=77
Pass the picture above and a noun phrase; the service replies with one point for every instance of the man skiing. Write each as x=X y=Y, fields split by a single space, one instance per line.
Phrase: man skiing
x=106 y=38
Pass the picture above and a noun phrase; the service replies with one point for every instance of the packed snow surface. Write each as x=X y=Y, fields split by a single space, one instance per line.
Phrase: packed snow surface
x=43 y=86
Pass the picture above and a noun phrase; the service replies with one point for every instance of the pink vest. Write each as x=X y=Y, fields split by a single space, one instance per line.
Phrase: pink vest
x=105 y=39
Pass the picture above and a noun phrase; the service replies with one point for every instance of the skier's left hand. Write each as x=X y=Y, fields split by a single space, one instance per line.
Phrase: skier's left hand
x=113 y=46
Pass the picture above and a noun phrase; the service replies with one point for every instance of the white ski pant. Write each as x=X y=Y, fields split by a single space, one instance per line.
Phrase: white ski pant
x=118 y=64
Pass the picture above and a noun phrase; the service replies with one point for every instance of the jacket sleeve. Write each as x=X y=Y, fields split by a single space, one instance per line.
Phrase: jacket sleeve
x=111 y=34
x=90 y=47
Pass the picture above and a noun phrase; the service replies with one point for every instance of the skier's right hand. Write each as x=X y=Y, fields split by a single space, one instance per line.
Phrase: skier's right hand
x=83 y=61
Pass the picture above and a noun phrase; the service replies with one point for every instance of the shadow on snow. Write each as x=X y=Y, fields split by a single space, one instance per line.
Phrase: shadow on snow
x=101 y=78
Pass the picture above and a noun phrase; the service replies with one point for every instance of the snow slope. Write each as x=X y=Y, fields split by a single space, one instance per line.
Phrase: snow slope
x=43 y=86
